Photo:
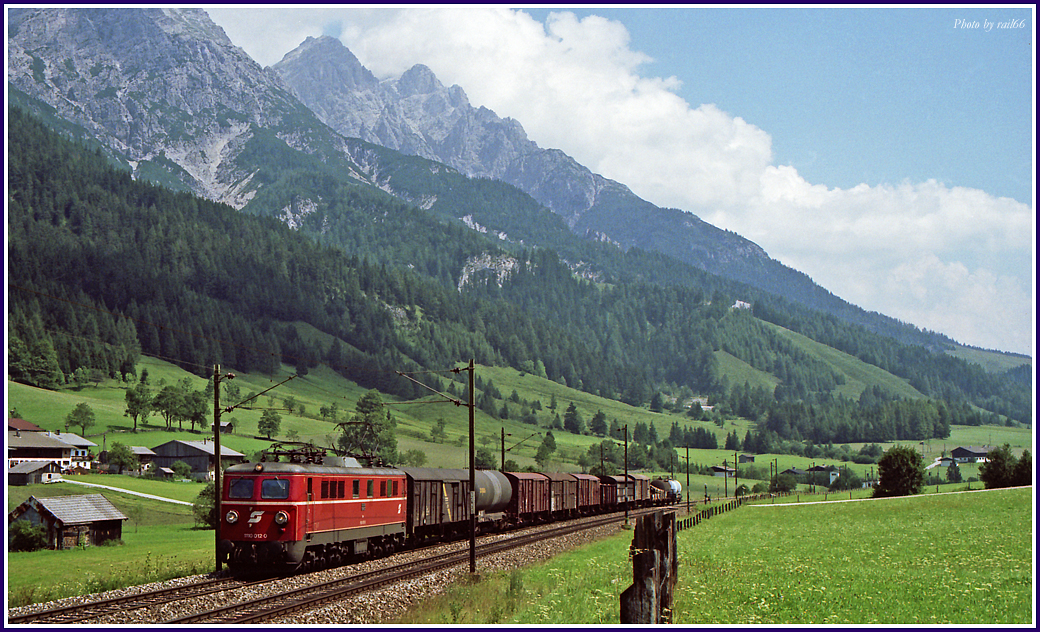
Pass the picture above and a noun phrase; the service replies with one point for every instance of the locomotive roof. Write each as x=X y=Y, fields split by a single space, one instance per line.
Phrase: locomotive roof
x=275 y=467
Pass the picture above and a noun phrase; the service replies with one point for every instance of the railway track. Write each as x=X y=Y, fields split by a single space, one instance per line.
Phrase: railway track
x=299 y=599
x=101 y=607
x=309 y=597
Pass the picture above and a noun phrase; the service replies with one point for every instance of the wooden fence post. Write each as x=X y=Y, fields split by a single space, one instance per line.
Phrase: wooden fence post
x=655 y=570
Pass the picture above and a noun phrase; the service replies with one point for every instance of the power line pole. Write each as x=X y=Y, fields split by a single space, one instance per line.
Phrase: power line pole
x=216 y=460
x=472 y=476
x=627 y=497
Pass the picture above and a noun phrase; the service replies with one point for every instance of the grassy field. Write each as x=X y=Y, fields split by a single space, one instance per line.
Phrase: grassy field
x=159 y=542
x=956 y=558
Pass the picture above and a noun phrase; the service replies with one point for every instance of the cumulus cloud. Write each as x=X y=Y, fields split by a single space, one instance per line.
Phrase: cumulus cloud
x=945 y=258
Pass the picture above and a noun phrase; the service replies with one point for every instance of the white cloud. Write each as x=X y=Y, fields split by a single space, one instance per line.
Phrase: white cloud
x=944 y=258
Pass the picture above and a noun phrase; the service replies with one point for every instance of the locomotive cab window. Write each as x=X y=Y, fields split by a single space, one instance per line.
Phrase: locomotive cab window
x=274 y=489
x=240 y=488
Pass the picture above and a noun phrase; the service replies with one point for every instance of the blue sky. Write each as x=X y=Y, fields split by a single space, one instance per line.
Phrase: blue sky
x=859 y=95
x=888 y=153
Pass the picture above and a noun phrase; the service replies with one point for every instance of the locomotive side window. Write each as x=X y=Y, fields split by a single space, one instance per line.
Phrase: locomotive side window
x=382 y=489
x=357 y=488
x=370 y=492
x=241 y=488
x=340 y=493
x=324 y=489
x=274 y=489
x=395 y=488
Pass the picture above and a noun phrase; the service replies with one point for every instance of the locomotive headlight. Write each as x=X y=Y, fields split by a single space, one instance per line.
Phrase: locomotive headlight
x=232 y=517
x=281 y=518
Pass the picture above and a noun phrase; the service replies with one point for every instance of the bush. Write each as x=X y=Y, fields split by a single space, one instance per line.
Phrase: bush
x=900 y=473
x=182 y=469
x=26 y=536
x=205 y=507
x=1002 y=469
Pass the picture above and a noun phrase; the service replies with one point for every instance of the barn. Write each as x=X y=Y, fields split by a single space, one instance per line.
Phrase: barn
x=198 y=454
x=71 y=521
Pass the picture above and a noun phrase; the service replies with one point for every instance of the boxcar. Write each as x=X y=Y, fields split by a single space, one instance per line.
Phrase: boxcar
x=608 y=492
x=438 y=501
x=563 y=494
x=532 y=497
x=588 y=493
x=641 y=489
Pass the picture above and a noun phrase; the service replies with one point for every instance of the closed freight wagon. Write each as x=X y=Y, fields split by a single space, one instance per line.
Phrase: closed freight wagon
x=588 y=493
x=563 y=494
x=532 y=497
x=641 y=489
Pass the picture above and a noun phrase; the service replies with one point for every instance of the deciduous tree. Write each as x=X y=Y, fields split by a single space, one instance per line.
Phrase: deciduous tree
x=900 y=472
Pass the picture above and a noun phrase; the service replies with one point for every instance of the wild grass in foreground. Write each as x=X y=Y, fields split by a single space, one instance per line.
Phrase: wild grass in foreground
x=938 y=559
x=148 y=554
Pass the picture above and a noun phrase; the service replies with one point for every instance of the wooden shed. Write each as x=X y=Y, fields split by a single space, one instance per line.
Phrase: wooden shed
x=71 y=521
x=33 y=472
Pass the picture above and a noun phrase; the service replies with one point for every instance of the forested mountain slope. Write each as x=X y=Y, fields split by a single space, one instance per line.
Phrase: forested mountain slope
x=103 y=268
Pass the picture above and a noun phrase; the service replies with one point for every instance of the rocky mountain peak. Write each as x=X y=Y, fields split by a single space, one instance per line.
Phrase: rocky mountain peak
x=165 y=88
x=418 y=80
x=326 y=60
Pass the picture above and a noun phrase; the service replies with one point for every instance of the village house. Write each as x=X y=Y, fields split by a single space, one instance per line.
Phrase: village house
x=33 y=473
x=37 y=446
x=71 y=521
x=21 y=425
x=723 y=470
x=80 y=455
x=819 y=471
x=970 y=454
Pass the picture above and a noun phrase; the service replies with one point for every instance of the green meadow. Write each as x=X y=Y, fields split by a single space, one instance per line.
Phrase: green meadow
x=159 y=542
x=954 y=558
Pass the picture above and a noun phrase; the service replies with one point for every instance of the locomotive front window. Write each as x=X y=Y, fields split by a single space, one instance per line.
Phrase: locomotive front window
x=241 y=488
x=274 y=489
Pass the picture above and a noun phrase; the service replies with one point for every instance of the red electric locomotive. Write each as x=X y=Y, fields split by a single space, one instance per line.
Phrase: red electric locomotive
x=289 y=516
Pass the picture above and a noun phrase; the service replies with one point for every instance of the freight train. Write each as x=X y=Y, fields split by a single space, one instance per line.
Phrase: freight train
x=287 y=517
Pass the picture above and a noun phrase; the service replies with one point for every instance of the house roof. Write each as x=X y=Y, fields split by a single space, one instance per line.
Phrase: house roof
x=205 y=447
x=140 y=450
x=19 y=439
x=974 y=449
x=13 y=423
x=80 y=509
x=28 y=467
x=74 y=440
